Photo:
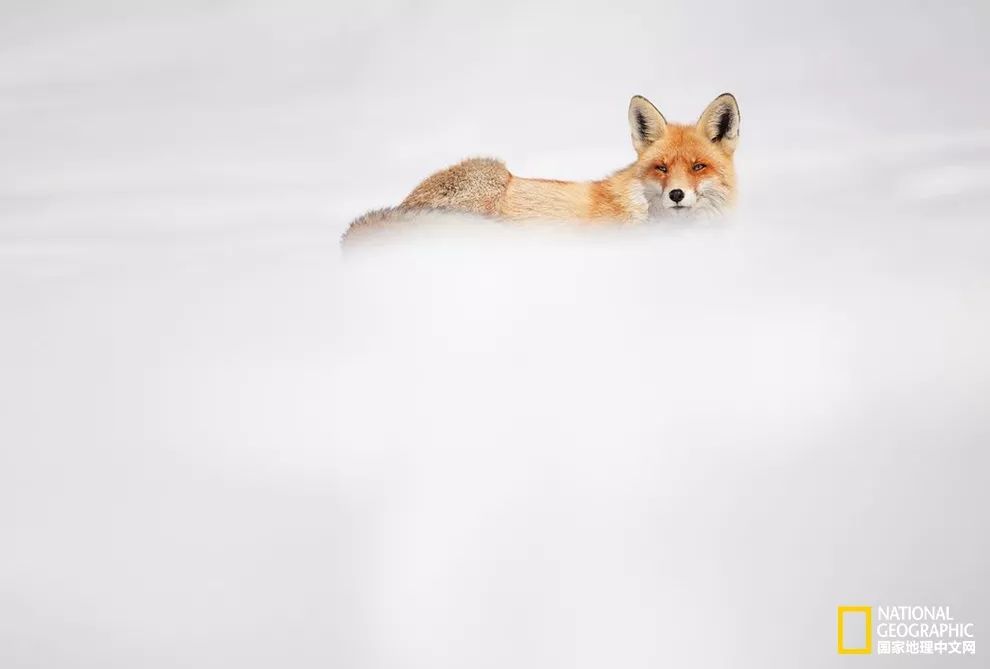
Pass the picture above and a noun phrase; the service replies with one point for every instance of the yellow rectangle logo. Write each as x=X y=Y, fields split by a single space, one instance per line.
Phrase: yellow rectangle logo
x=855 y=630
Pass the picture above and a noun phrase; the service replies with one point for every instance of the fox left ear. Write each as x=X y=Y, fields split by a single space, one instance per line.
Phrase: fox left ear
x=720 y=122
x=646 y=123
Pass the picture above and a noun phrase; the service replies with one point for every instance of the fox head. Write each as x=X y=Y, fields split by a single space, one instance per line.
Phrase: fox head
x=686 y=169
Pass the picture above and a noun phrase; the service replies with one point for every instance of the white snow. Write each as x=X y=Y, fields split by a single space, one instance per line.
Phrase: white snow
x=224 y=444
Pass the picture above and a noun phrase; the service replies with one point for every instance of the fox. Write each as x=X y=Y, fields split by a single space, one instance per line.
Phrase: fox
x=680 y=171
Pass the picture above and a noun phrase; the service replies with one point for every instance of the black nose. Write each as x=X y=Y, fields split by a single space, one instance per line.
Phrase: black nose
x=676 y=195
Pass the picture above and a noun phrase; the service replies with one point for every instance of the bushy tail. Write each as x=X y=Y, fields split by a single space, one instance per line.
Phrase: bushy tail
x=377 y=227
x=472 y=187
x=373 y=220
x=377 y=220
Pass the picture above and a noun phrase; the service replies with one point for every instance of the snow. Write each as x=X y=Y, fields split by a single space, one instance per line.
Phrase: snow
x=223 y=443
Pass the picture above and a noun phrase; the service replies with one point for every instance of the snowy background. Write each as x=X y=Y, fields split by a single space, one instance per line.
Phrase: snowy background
x=224 y=445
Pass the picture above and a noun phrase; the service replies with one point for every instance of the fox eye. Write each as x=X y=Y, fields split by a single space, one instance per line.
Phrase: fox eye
x=662 y=168
x=698 y=167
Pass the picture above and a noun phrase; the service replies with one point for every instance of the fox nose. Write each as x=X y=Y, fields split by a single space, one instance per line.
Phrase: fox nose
x=676 y=195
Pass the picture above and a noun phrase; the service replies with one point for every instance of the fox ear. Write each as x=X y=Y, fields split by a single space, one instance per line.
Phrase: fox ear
x=720 y=122
x=646 y=123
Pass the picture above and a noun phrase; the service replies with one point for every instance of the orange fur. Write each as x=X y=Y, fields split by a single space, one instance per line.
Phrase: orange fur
x=679 y=150
x=679 y=169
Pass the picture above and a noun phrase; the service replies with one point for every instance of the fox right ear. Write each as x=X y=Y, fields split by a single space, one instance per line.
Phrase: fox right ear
x=646 y=123
x=720 y=122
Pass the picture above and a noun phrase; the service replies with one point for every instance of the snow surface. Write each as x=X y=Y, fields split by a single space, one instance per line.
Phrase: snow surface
x=223 y=444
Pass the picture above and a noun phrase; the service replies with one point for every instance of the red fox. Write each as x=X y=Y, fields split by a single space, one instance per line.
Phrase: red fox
x=680 y=170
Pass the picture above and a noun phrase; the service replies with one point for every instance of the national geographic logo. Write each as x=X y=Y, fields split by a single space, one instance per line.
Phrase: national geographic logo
x=903 y=630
